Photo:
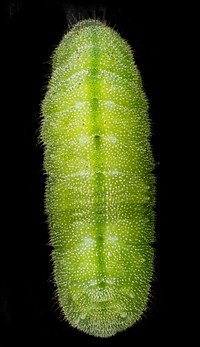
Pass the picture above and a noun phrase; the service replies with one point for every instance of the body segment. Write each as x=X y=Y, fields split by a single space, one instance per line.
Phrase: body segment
x=100 y=188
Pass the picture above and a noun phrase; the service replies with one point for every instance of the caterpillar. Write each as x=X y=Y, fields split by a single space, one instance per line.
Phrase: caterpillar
x=100 y=185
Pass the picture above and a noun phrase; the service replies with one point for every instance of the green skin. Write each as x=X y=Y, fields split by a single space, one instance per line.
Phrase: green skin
x=100 y=186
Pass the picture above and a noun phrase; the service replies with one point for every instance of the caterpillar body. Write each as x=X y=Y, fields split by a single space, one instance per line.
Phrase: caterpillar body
x=100 y=188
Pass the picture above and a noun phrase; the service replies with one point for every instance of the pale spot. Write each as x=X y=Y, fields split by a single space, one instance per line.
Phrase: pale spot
x=114 y=172
x=79 y=104
x=109 y=103
x=82 y=315
x=142 y=260
x=83 y=139
x=111 y=138
x=80 y=173
x=123 y=314
x=93 y=282
x=113 y=239
x=131 y=295
x=87 y=241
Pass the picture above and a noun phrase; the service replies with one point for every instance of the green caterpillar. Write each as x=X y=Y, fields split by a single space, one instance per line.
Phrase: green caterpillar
x=100 y=187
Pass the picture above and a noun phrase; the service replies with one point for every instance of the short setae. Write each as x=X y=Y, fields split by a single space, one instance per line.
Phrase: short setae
x=100 y=187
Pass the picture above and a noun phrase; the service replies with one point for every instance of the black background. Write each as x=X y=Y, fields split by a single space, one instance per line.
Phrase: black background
x=29 y=314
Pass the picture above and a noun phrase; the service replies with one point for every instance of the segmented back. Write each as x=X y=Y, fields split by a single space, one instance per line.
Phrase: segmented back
x=100 y=187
